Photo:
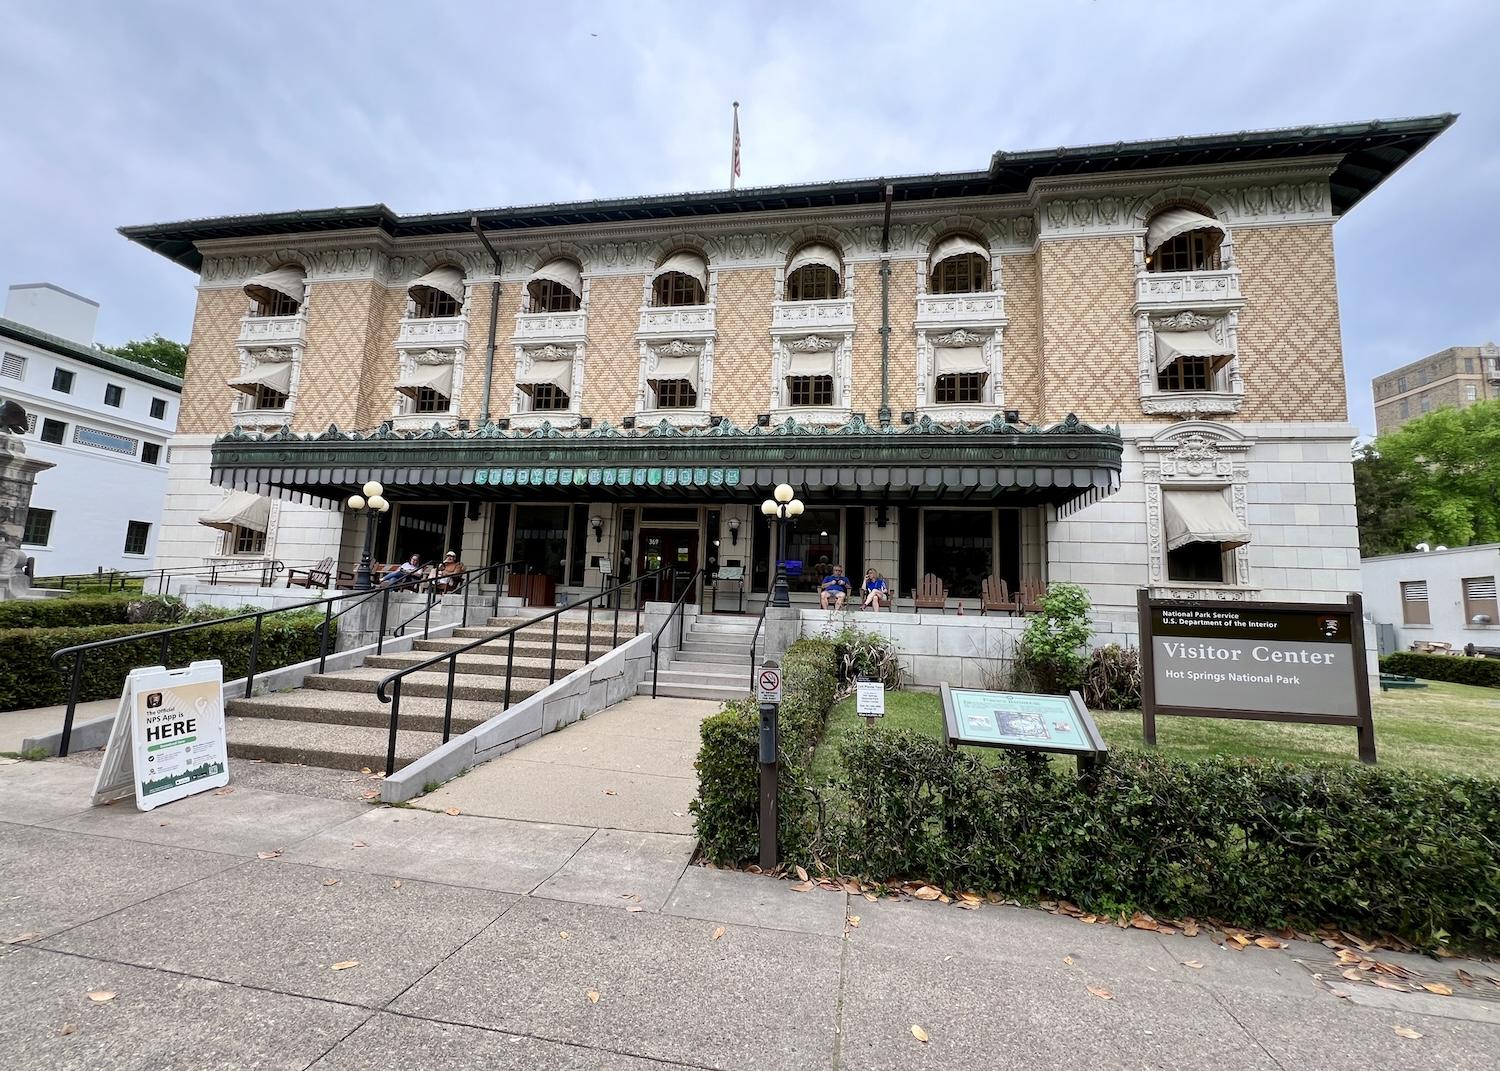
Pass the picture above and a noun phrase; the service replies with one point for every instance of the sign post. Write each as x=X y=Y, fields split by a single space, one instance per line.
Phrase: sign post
x=768 y=692
x=1256 y=661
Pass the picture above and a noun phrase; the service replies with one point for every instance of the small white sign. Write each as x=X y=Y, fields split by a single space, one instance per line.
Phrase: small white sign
x=768 y=685
x=168 y=738
x=869 y=699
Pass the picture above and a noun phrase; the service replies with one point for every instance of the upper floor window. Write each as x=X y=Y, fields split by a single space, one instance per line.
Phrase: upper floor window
x=62 y=381
x=1189 y=356
x=682 y=279
x=277 y=293
x=557 y=286
x=547 y=397
x=438 y=294
x=813 y=274
x=158 y=409
x=675 y=393
x=959 y=265
x=1183 y=239
x=113 y=395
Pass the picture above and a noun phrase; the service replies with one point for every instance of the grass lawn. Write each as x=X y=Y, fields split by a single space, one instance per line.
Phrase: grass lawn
x=1443 y=728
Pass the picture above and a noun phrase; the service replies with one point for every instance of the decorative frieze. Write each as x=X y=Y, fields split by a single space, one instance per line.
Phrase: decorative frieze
x=436 y=331
x=258 y=331
x=798 y=316
x=1162 y=290
x=689 y=320
x=551 y=326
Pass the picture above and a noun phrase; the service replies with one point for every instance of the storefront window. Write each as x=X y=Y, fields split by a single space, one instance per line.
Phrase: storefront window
x=812 y=548
x=421 y=529
x=959 y=548
x=541 y=539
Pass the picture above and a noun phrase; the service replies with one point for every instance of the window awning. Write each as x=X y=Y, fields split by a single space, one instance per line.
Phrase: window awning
x=563 y=272
x=1201 y=517
x=435 y=377
x=288 y=281
x=1174 y=221
x=1171 y=345
x=810 y=364
x=954 y=246
x=558 y=374
x=274 y=374
x=809 y=255
x=959 y=360
x=240 y=510
x=447 y=280
x=670 y=368
x=690 y=264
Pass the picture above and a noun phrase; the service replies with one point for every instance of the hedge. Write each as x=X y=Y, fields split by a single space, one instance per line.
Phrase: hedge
x=29 y=679
x=64 y=613
x=1436 y=667
x=1256 y=844
x=727 y=810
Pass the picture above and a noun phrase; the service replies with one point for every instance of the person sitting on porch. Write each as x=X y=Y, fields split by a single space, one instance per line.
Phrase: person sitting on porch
x=403 y=573
x=835 y=587
x=449 y=573
x=875 y=591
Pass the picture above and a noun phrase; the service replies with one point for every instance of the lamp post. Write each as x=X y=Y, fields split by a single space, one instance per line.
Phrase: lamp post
x=782 y=507
x=370 y=503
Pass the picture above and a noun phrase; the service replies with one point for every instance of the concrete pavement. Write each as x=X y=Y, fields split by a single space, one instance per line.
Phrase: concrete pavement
x=481 y=942
x=18 y=725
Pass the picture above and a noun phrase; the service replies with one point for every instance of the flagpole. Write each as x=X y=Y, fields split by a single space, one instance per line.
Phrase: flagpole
x=734 y=147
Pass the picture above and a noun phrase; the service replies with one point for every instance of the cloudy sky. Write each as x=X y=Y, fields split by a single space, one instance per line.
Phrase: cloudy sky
x=137 y=112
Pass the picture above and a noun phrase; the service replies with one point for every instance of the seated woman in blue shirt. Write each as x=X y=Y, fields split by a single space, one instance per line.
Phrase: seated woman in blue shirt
x=875 y=591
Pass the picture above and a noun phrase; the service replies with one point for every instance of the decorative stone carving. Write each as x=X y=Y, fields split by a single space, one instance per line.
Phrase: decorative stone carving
x=1200 y=455
x=813 y=344
x=961 y=337
x=678 y=348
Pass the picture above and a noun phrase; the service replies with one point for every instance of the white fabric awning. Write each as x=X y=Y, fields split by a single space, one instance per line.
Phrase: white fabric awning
x=690 y=264
x=240 y=510
x=288 y=281
x=274 y=374
x=959 y=360
x=670 y=368
x=448 y=280
x=1201 y=517
x=955 y=246
x=810 y=364
x=563 y=272
x=1174 y=221
x=825 y=255
x=558 y=374
x=1171 y=345
x=435 y=377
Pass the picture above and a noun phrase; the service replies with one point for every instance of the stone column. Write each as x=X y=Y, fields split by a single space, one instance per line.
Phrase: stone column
x=17 y=479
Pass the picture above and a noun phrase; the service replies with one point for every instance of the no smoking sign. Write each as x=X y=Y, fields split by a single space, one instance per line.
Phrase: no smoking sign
x=768 y=684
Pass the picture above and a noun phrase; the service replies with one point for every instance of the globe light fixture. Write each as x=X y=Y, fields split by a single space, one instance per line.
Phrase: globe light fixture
x=371 y=503
x=781 y=508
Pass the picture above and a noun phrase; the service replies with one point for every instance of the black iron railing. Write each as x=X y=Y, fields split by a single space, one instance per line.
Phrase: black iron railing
x=677 y=611
x=755 y=638
x=114 y=580
x=389 y=688
x=466 y=580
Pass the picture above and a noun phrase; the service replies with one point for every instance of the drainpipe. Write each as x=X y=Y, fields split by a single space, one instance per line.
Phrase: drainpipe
x=885 y=310
x=489 y=361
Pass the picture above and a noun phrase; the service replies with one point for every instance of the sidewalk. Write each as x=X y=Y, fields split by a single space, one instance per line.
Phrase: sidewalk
x=217 y=922
x=18 y=725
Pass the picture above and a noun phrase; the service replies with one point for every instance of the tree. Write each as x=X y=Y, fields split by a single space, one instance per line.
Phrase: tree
x=1435 y=480
x=156 y=352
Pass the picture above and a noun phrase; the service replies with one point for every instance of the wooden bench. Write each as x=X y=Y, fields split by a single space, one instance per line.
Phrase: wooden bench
x=1399 y=680
x=317 y=576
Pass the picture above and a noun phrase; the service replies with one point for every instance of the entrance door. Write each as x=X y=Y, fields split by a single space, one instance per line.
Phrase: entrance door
x=673 y=548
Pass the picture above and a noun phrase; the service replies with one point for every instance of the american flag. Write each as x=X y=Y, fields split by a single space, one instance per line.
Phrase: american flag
x=734 y=157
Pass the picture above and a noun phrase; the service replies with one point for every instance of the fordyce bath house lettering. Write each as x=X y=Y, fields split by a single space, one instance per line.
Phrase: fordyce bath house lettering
x=1116 y=364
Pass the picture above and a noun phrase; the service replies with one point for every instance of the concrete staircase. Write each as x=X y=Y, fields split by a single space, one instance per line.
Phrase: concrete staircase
x=713 y=662
x=336 y=720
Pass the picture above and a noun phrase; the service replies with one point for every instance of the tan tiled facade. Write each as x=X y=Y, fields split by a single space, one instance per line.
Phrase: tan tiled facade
x=1087 y=288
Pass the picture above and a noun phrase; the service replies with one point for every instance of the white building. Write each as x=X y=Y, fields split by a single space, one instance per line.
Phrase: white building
x=1441 y=596
x=101 y=421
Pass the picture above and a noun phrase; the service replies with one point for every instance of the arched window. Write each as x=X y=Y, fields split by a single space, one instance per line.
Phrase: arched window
x=1183 y=239
x=682 y=279
x=557 y=286
x=814 y=274
x=279 y=292
x=439 y=293
x=959 y=265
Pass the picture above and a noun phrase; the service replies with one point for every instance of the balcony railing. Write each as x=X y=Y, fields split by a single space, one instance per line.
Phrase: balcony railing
x=551 y=326
x=985 y=309
x=1179 y=288
x=434 y=331
x=681 y=320
x=835 y=315
x=273 y=330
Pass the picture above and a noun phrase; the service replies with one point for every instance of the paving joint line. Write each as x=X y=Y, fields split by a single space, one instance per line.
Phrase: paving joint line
x=573 y=855
x=837 y=1056
x=1214 y=996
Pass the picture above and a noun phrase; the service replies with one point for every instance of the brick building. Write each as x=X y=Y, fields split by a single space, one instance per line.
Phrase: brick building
x=1454 y=378
x=1118 y=365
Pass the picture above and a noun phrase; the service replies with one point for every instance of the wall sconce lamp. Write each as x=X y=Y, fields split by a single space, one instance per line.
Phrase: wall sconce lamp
x=734 y=531
x=597 y=524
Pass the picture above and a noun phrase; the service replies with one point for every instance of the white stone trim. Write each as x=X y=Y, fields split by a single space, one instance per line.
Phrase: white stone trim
x=1229 y=397
x=520 y=413
x=1200 y=455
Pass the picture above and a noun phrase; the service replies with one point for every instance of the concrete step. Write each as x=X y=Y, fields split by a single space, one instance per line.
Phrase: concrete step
x=499 y=648
x=695 y=642
x=693 y=691
x=677 y=673
x=601 y=637
x=727 y=658
x=481 y=687
x=337 y=747
x=566 y=625
x=726 y=627
x=320 y=706
x=492 y=663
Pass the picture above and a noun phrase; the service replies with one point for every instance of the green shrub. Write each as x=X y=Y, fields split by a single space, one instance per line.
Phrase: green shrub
x=29 y=679
x=1050 y=651
x=64 y=613
x=866 y=654
x=1112 y=679
x=727 y=810
x=1436 y=667
x=1371 y=849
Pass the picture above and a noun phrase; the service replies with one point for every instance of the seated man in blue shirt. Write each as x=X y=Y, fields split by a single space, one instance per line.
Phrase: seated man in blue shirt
x=835 y=588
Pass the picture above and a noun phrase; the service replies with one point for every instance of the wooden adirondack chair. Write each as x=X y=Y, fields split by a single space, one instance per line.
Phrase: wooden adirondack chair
x=1029 y=598
x=994 y=594
x=317 y=576
x=931 y=592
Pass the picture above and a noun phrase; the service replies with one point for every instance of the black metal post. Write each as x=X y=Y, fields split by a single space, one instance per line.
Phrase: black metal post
x=362 y=573
x=448 y=705
x=781 y=594
x=769 y=744
x=323 y=639
x=254 y=657
x=390 y=747
x=588 y=635
x=427 y=615
x=385 y=605
x=510 y=660
x=164 y=641
x=614 y=639
x=67 y=733
x=552 y=667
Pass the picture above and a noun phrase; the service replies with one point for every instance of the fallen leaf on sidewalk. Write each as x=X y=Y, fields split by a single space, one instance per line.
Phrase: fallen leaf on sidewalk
x=718 y=933
x=1143 y=922
x=1269 y=942
x=371 y=793
x=223 y=791
x=452 y=811
x=1353 y=974
x=1190 y=930
x=269 y=855
x=328 y=883
x=593 y=996
x=1100 y=992
x=1193 y=964
x=67 y=1028
x=679 y=814
x=802 y=886
x=1406 y=1032
x=609 y=792
x=800 y=872
x=364 y=769
x=359 y=844
x=396 y=884
x=635 y=907
x=853 y=921
x=1439 y=988
x=927 y=892
x=1385 y=984
x=1068 y=961
x=918 y=1033
x=1463 y=976
x=871 y=897
x=28 y=936
x=101 y=996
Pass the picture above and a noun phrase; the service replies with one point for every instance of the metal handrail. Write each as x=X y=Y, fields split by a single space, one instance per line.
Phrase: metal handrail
x=395 y=677
x=433 y=594
x=677 y=611
x=267 y=567
x=755 y=637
